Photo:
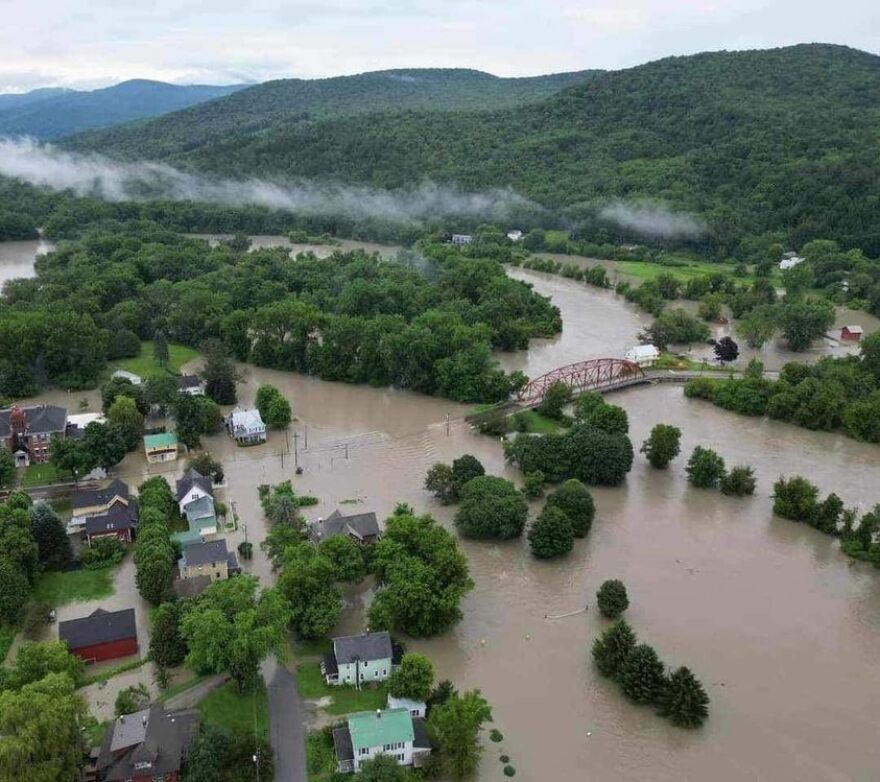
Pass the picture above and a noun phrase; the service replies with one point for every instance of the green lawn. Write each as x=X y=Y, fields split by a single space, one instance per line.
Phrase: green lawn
x=145 y=365
x=103 y=676
x=320 y=756
x=7 y=636
x=73 y=586
x=538 y=424
x=227 y=709
x=303 y=648
x=670 y=361
x=94 y=731
x=346 y=699
x=42 y=475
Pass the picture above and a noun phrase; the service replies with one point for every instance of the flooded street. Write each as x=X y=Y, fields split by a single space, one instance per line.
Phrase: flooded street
x=783 y=630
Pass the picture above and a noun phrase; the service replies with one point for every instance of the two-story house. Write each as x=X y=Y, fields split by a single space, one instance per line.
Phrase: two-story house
x=210 y=559
x=96 y=502
x=393 y=732
x=27 y=431
x=361 y=527
x=119 y=522
x=356 y=659
x=195 y=500
x=147 y=746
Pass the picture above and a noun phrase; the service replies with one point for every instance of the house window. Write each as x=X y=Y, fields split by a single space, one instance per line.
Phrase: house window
x=364 y=750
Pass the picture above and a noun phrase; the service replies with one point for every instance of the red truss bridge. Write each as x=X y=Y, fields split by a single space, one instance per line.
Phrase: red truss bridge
x=600 y=374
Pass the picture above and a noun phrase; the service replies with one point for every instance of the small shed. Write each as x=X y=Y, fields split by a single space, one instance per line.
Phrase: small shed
x=131 y=377
x=851 y=333
x=643 y=355
x=160 y=447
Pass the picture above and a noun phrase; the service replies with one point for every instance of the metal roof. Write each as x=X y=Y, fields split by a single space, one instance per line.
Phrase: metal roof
x=377 y=728
x=212 y=551
x=365 y=647
x=100 y=627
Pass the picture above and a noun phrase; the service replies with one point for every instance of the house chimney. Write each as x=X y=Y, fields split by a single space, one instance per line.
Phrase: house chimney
x=121 y=718
x=378 y=714
x=144 y=720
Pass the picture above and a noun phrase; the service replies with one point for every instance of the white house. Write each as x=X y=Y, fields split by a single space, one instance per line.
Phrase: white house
x=790 y=261
x=134 y=379
x=246 y=427
x=643 y=355
x=356 y=659
x=192 y=486
x=394 y=732
x=191 y=384
x=462 y=239
x=415 y=708
x=515 y=235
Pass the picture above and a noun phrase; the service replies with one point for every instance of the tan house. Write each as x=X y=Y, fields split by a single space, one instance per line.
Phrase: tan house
x=160 y=447
x=96 y=502
x=208 y=559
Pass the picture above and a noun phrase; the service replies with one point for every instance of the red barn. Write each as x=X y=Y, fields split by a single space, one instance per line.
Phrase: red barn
x=104 y=635
x=851 y=333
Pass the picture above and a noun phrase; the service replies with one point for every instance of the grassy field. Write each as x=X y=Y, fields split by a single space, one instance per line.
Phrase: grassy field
x=145 y=365
x=537 y=423
x=346 y=699
x=671 y=361
x=228 y=709
x=320 y=756
x=42 y=475
x=73 y=586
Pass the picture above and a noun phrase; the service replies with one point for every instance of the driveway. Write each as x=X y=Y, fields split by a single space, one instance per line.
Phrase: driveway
x=287 y=730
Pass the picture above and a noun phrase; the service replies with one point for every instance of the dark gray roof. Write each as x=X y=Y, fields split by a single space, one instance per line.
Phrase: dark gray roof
x=205 y=553
x=41 y=419
x=98 y=628
x=191 y=587
x=342 y=743
x=189 y=381
x=194 y=478
x=154 y=736
x=232 y=563
x=119 y=517
x=361 y=525
x=330 y=666
x=87 y=498
x=368 y=646
x=420 y=733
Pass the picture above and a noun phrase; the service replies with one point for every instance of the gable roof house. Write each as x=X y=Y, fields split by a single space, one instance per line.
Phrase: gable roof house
x=119 y=522
x=393 y=732
x=246 y=427
x=192 y=486
x=191 y=384
x=27 y=431
x=102 y=635
x=209 y=558
x=851 y=333
x=160 y=447
x=355 y=659
x=95 y=502
x=361 y=527
x=147 y=746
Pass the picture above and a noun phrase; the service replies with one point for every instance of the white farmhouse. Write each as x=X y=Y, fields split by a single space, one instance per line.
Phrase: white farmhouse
x=246 y=427
x=394 y=732
x=356 y=659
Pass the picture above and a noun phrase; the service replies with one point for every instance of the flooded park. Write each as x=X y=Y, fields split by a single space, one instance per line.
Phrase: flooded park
x=782 y=629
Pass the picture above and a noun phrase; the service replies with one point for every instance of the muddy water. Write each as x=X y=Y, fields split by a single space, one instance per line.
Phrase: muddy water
x=783 y=630
x=17 y=258
x=321 y=250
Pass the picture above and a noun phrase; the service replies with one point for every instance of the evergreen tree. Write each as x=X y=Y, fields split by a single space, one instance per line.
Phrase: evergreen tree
x=51 y=536
x=683 y=700
x=642 y=676
x=612 y=598
x=611 y=649
x=220 y=375
x=160 y=349
x=167 y=647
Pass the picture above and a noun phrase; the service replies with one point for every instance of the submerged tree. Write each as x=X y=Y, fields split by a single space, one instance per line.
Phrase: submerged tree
x=662 y=446
x=705 y=468
x=551 y=534
x=611 y=649
x=642 y=676
x=612 y=598
x=576 y=502
x=683 y=700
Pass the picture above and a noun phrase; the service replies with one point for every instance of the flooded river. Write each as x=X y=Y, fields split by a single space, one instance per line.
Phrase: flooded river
x=783 y=630
x=17 y=258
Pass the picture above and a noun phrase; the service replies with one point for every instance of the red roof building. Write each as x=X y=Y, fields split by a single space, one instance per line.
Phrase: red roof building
x=851 y=333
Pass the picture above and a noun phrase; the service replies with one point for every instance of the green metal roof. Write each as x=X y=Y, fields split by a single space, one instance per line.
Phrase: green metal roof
x=375 y=729
x=190 y=536
x=163 y=440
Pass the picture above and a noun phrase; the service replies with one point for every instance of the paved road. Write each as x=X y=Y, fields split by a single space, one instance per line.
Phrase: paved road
x=286 y=723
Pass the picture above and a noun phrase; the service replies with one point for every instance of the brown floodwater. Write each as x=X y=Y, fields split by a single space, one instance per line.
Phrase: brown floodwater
x=783 y=630
x=17 y=258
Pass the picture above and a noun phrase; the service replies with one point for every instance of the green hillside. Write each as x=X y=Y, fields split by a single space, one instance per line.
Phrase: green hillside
x=51 y=114
x=277 y=106
x=781 y=141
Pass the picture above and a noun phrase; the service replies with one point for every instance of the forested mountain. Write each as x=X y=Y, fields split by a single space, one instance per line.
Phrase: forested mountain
x=277 y=106
x=53 y=113
x=781 y=141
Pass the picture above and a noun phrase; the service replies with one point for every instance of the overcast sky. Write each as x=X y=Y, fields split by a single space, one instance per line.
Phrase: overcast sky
x=100 y=42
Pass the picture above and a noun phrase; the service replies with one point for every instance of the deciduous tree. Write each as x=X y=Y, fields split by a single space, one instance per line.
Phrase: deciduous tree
x=413 y=678
x=551 y=534
x=662 y=446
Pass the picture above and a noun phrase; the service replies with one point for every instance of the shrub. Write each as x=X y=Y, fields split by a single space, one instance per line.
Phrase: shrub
x=496 y=735
x=642 y=675
x=683 y=700
x=576 y=502
x=509 y=771
x=662 y=446
x=246 y=549
x=440 y=483
x=464 y=469
x=795 y=498
x=551 y=534
x=586 y=403
x=612 y=647
x=612 y=598
x=103 y=552
x=608 y=418
x=491 y=507
x=701 y=388
x=504 y=758
x=132 y=699
x=533 y=484
x=739 y=482
x=705 y=468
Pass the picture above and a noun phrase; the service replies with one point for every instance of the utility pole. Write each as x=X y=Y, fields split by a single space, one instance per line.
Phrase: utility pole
x=346 y=452
x=447 y=424
x=296 y=449
x=306 y=445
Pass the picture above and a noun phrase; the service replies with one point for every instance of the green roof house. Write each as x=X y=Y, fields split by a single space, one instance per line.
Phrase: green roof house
x=160 y=447
x=393 y=732
x=201 y=519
